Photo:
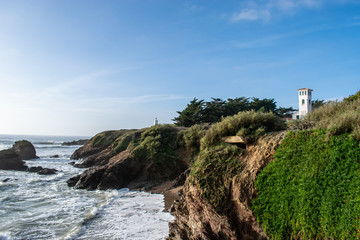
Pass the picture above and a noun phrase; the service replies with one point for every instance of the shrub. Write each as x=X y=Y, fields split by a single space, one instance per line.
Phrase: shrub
x=249 y=125
x=310 y=190
x=337 y=118
x=157 y=144
x=191 y=137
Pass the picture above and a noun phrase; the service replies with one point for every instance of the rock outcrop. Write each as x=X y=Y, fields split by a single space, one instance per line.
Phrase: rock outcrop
x=122 y=158
x=12 y=159
x=75 y=142
x=25 y=150
x=195 y=218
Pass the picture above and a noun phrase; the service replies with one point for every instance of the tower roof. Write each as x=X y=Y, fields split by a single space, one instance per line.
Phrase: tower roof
x=310 y=90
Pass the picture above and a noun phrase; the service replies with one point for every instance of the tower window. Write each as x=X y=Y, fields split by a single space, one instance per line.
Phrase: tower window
x=305 y=92
x=303 y=101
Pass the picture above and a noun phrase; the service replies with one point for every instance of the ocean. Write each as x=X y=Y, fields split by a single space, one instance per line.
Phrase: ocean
x=36 y=206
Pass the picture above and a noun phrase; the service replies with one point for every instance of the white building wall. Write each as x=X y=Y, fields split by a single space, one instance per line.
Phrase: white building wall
x=304 y=101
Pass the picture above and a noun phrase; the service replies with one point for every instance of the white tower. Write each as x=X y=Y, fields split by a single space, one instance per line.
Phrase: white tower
x=304 y=101
x=156 y=121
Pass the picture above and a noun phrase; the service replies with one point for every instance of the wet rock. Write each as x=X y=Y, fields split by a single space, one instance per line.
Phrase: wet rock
x=25 y=150
x=47 y=171
x=10 y=160
x=55 y=156
x=42 y=171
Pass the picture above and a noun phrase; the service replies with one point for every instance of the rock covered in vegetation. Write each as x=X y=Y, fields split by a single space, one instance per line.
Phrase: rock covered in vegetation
x=217 y=203
x=131 y=158
x=99 y=149
x=75 y=142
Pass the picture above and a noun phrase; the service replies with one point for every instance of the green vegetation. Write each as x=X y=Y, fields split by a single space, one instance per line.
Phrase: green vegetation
x=217 y=162
x=122 y=142
x=106 y=138
x=157 y=144
x=213 y=171
x=190 y=137
x=199 y=111
x=337 y=118
x=249 y=125
x=311 y=190
x=354 y=97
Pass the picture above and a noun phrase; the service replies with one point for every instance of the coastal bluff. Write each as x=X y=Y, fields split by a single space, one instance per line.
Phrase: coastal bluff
x=136 y=159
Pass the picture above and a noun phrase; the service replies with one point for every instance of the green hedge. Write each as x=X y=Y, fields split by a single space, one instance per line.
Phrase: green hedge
x=311 y=190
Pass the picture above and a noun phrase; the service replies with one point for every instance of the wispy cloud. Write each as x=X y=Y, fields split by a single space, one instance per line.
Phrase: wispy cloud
x=265 y=10
x=251 y=15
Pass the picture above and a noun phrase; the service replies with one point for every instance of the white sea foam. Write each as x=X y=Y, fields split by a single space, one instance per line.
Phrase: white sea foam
x=44 y=207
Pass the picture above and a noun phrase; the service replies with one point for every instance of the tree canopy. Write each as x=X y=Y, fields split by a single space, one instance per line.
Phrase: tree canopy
x=200 y=111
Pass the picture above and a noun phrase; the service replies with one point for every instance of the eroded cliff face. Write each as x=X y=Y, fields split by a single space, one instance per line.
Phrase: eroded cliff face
x=195 y=218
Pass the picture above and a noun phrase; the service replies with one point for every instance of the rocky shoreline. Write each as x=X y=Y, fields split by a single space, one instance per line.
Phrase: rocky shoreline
x=13 y=158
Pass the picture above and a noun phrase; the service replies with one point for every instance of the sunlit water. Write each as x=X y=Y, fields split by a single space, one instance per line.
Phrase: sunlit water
x=36 y=206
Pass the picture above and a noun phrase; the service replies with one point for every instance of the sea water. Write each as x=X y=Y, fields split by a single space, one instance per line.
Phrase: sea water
x=36 y=206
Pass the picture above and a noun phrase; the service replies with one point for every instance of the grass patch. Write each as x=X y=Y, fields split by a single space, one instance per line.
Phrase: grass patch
x=213 y=171
x=311 y=190
x=249 y=125
x=105 y=139
x=122 y=142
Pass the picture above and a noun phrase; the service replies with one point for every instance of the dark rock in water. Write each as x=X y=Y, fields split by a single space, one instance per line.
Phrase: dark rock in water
x=42 y=171
x=72 y=181
x=35 y=169
x=25 y=150
x=55 y=156
x=10 y=160
x=72 y=163
x=47 y=171
x=6 y=180
x=78 y=142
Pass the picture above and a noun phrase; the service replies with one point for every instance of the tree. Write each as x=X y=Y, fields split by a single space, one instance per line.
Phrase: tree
x=285 y=112
x=191 y=115
x=317 y=103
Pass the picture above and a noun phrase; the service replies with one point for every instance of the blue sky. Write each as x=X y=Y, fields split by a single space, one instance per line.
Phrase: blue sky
x=81 y=67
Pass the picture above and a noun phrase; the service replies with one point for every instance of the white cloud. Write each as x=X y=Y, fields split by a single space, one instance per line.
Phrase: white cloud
x=251 y=15
x=265 y=10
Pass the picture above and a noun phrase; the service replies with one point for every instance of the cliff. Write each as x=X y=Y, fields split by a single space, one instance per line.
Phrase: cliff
x=136 y=159
x=196 y=218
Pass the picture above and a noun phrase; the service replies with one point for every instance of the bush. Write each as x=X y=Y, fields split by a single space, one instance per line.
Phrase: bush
x=191 y=137
x=311 y=190
x=249 y=125
x=157 y=144
x=213 y=171
x=337 y=118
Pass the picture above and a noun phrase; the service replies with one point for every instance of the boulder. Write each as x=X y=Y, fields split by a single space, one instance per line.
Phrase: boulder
x=10 y=160
x=24 y=149
x=42 y=171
